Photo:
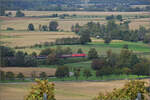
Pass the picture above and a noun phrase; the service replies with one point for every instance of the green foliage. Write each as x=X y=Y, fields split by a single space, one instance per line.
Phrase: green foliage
x=20 y=58
x=107 y=39
x=62 y=71
x=142 y=68
x=146 y=39
x=110 y=17
x=52 y=59
x=30 y=61
x=79 y=51
x=128 y=92
x=2 y=75
x=87 y=73
x=97 y=64
x=20 y=76
x=119 y=17
x=34 y=54
x=92 y=54
x=77 y=73
x=31 y=27
x=125 y=46
x=38 y=90
x=19 y=14
x=9 y=29
x=43 y=75
x=10 y=76
x=53 y=25
x=2 y=10
x=85 y=36
x=68 y=41
x=46 y=51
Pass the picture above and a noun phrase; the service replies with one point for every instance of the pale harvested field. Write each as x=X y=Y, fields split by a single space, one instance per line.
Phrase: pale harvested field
x=136 y=23
x=64 y=24
x=26 y=38
x=29 y=70
x=42 y=13
x=64 y=90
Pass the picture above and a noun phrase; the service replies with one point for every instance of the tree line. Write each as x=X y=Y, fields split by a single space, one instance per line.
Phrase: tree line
x=124 y=63
x=10 y=76
x=75 y=5
x=112 y=31
x=53 y=26
x=9 y=57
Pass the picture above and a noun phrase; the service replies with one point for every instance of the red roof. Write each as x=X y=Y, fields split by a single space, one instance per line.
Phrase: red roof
x=78 y=55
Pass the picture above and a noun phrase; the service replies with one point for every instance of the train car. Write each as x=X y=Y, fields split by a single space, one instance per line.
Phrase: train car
x=64 y=56
x=73 y=55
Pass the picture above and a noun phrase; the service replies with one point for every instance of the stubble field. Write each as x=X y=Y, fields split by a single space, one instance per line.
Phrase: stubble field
x=63 y=90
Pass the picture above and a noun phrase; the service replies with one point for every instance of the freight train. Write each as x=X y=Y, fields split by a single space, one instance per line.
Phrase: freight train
x=64 y=56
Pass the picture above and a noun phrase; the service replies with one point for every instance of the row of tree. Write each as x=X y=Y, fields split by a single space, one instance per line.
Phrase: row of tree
x=9 y=57
x=53 y=26
x=20 y=76
x=124 y=63
x=112 y=31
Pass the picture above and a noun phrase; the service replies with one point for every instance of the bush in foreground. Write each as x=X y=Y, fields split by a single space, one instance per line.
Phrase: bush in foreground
x=38 y=90
x=128 y=92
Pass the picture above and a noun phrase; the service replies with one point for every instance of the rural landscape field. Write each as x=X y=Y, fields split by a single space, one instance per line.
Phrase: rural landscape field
x=75 y=50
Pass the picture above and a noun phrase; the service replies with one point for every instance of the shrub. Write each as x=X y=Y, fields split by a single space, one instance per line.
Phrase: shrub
x=79 y=51
x=97 y=64
x=2 y=75
x=62 y=71
x=10 y=76
x=46 y=51
x=38 y=90
x=87 y=73
x=20 y=76
x=9 y=29
x=43 y=75
x=92 y=54
x=77 y=73
x=19 y=14
x=53 y=25
x=30 y=61
x=128 y=92
x=31 y=27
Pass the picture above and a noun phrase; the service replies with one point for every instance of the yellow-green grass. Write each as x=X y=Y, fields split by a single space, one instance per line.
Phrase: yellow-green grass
x=27 y=71
x=29 y=38
x=116 y=46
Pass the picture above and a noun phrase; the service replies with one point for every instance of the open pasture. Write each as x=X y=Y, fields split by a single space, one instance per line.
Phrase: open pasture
x=116 y=46
x=29 y=70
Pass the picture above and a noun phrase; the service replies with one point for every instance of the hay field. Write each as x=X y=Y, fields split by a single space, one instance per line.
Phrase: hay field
x=64 y=90
x=64 y=24
x=29 y=70
x=46 y=13
x=26 y=38
x=136 y=23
